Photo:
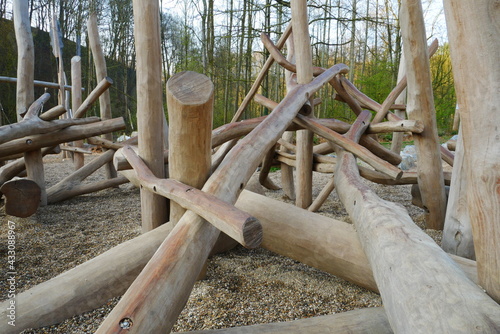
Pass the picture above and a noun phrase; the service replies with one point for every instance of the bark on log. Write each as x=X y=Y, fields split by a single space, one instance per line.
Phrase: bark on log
x=154 y=209
x=171 y=273
x=362 y=321
x=101 y=74
x=475 y=54
x=412 y=273
x=421 y=107
x=70 y=133
x=190 y=98
x=237 y=224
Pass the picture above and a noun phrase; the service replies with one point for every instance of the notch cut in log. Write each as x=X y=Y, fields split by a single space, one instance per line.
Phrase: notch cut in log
x=235 y=223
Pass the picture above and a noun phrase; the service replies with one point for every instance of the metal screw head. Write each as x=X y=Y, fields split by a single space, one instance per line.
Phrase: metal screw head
x=126 y=323
x=29 y=141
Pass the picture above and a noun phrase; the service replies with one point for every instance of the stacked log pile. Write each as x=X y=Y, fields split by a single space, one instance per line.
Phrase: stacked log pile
x=424 y=289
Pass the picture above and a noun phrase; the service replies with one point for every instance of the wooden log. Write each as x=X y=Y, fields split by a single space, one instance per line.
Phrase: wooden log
x=37 y=83
x=166 y=281
x=266 y=165
x=237 y=224
x=53 y=113
x=447 y=156
x=475 y=54
x=457 y=233
x=154 y=210
x=287 y=182
x=411 y=271
x=421 y=107
x=37 y=126
x=100 y=89
x=70 y=133
x=190 y=98
x=75 y=150
x=22 y=197
x=304 y=138
x=397 y=137
x=369 y=321
x=14 y=168
x=360 y=151
x=58 y=192
x=82 y=189
x=322 y=197
x=322 y=244
x=451 y=145
x=76 y=102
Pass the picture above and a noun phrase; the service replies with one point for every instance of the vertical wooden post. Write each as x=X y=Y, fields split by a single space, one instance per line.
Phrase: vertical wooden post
x=397 y=137
x=76 y=101
x=149 y=106
x=25 y=88
x=421 y=107
x=101 y=73
x=475 y=54
x=303 y=57
x=190 y=104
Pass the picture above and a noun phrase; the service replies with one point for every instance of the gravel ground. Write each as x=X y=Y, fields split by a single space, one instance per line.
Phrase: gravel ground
x=242 y=287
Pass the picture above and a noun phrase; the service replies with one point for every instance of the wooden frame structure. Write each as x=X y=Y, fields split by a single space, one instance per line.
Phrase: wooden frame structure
x=424 y=289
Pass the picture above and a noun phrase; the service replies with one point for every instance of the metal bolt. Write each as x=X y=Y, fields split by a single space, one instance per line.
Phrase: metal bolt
x=29 y=141
x=126 y=323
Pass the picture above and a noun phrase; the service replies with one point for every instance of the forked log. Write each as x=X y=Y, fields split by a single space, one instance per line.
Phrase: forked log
x=190 y=98
x=422 y=289
x=165 y=283
x=70 y=133
x=22 y=197
x=362 y=321
x=473 y=32
x=237 y=224
x=150 y=126
x=421 y=107
x=322 y=243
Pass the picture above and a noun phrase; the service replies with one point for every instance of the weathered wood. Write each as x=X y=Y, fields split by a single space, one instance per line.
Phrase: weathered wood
x=475 y=54
x=287 y=182
x=322 y=244
x=451 y=145
x=100 y=89
x=266 y=165
x=53 y=113
x=70 y=133
x=154 y=210
x=15 y=167
x=101 y=74
x=368 y=321
x=82 y=189
x=304 y=138
x=421 y=107
x=22 y=197
x=237 y=224
x=322 y=196
x=166 y=281
x=457 y=233
x=76 y=150
x=76 y=102
x=360 y=151
x=397 y=137
x=412 y=273
x=190 y=98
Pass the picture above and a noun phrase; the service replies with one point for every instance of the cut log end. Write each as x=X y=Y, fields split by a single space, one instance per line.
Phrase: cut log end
x=252 y=233
x=22 y=197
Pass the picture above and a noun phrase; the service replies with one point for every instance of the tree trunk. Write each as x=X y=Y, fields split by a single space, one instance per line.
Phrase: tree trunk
x=475 y=54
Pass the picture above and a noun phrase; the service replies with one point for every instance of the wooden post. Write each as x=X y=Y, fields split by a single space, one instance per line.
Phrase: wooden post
x=397 y=137
x=76 y=102
x=190 y=99
x=303 y=58
x=154 y=210
x=101 y=73
x=421 y=107
x=475 y=54
x=25 y=88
